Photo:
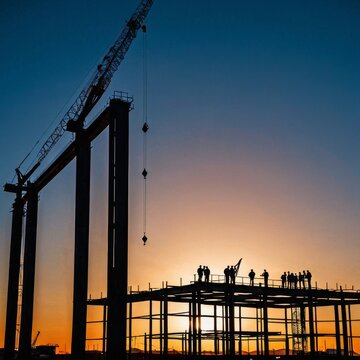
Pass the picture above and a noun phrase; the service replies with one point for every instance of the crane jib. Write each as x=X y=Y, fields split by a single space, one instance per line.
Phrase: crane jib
x=87 y=99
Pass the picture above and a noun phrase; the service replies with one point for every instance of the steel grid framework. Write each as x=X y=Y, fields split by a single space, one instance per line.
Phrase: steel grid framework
x=230 y=306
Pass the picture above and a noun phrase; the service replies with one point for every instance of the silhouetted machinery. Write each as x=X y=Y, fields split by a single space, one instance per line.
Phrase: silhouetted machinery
x=74 y=118
x=72 y=121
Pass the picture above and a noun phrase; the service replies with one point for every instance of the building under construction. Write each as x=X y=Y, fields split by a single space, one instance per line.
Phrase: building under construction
x=240 y=320
x=238 y=317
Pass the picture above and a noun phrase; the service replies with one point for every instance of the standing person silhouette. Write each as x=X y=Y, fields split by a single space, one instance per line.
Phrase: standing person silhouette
x=200 y=272
x=308 y=277
x=289 y=280
x=207 y=274
x=227 y=274
x=301 y=280
x=265 y=274
x=252 y=277
x=283 y=280
x=232 y=275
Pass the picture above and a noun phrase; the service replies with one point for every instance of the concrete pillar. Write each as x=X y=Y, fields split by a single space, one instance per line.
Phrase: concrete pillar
x=118 y=229
x=28 y=277
x=13 y=282
x=81 y=256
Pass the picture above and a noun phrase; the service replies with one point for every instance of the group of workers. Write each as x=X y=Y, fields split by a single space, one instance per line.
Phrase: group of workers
x=203 y=272
x=294 y=281
x=288 y=280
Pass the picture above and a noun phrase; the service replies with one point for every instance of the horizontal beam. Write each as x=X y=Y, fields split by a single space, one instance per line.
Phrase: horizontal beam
x=94 y=129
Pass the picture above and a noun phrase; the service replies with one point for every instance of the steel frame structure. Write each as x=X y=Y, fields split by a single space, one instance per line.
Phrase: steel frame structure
x=230 y=305
x=116 y=118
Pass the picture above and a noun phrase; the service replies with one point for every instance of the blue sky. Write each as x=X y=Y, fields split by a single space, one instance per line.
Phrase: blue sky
x=254 y=138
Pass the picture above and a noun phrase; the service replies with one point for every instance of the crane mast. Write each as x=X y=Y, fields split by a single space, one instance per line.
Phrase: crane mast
x=74 y=118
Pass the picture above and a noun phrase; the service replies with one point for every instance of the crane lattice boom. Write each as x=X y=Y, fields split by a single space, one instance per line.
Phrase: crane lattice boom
x=100 y=80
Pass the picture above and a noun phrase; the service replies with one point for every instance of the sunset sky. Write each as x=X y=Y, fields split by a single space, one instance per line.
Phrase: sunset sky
x=253 y=148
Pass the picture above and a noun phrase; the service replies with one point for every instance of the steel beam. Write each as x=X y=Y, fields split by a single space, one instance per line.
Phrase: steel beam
x=28 y=277
x=81 y=254
x=337 y=331
x=266 y=325
x=311 y=327
x=13 y=282
x=118 y=228
x=344 y=327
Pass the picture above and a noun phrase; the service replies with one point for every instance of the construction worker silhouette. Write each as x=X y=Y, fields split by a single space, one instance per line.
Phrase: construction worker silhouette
x=289 y=280
x=207 y=274
x=227 y=274
x=200 y=272
x=301 y=280
x=232 y=275
x=252 y=277
x=308 y=277
x=265 y=274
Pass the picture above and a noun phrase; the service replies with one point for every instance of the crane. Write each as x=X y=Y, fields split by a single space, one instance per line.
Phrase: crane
x=74 y=118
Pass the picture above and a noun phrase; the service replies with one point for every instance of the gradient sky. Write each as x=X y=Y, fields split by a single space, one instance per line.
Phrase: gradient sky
x=253 y=148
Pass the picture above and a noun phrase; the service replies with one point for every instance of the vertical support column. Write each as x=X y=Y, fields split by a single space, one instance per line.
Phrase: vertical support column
x=286 y=334
x=257 y=332
x=231 y=323
x=81 y=256
x=190 y=331
x=104 y=331
x=316 y=330
x=194 y=330
x=13 y=282
x=350 y=330
x=216 y=349
x=303 y=328
x=161 y=328
x=266 y=325
x=130 y=330
x=150 y=328
x=227 y=347
x=311 y=327
x=118 y=229
x=165 y=327
x=240 y=332
x=28 y=277
x=344 y=326
x=337 y=331
x=199 y=322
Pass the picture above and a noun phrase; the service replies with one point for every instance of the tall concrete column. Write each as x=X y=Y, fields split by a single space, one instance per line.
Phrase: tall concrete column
x=81 y=256
x=13 y=282
x=28 y=277
x=118 y=229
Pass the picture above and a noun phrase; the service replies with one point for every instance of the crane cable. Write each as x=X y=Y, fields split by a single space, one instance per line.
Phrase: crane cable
x=145 y=129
